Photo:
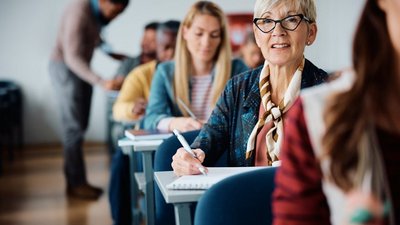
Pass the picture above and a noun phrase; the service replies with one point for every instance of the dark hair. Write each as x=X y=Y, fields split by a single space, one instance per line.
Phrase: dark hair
x=152 y=25
x=351 y=112
x=123 y=2
x=170 y=25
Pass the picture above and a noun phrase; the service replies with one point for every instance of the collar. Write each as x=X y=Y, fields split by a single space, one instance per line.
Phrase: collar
x=100 y=19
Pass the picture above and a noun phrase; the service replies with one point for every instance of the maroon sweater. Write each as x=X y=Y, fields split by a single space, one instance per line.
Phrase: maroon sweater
x=298 y=196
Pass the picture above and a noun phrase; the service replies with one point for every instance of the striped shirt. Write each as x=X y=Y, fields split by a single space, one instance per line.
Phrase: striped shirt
x=200 y=101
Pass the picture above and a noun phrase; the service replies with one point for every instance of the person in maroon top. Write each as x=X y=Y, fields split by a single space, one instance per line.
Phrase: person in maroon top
x=340 y=154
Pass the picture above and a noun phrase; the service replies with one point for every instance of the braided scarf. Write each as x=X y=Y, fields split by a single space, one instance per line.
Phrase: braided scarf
x=273 y=112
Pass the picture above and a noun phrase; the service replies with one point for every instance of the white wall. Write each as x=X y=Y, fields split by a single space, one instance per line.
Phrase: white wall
x=28 y=29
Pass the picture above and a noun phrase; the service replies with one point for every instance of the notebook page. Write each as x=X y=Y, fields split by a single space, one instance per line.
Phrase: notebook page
x=215 y=174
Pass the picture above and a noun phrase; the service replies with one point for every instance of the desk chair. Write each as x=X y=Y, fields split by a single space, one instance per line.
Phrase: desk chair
x=11 y=121
x=237 y=200
x=162 y=162
x=119 y=192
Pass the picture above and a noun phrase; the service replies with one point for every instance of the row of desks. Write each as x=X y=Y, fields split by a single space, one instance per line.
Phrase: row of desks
x=180 y=199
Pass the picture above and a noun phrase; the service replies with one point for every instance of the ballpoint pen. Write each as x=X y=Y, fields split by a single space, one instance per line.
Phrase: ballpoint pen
x=187 y=109
x=188 y=149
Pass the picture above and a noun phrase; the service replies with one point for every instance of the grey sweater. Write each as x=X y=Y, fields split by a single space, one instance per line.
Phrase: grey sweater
x=78 y=35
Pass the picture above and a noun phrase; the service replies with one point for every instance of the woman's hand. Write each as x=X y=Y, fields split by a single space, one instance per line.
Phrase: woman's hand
x=364 y=208
x=185 y=124
x=185 y=164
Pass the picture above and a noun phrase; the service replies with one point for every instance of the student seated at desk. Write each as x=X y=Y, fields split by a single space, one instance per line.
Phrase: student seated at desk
x=132 y=99
x=130 y=105
x=202 y=65
x=250 y=52
x=148 y=46
x=247 y=120
x=340 y=155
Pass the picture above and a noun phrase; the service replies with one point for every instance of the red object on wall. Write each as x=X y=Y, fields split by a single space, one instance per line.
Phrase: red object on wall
x=239 y=26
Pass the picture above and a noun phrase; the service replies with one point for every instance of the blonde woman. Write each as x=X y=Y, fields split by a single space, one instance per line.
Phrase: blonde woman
x=197 y=76
x=247 y=122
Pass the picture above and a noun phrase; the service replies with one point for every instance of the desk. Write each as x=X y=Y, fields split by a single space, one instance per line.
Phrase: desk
x=147 y=147
x=181 y=199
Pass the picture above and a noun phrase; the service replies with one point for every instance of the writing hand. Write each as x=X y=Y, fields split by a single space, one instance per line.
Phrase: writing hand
x=185 y=164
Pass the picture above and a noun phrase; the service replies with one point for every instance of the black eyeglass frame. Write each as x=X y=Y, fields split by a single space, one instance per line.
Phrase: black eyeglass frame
x=302 y=17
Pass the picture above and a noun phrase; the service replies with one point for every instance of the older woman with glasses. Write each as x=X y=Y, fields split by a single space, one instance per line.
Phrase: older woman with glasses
x=247 y=122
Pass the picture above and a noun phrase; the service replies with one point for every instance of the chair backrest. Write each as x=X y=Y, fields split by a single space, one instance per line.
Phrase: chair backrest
x=240 y=199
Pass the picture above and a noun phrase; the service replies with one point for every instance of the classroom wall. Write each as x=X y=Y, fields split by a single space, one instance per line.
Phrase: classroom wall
x=28 y=30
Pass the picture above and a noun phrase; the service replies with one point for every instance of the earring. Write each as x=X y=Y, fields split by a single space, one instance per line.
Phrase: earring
x=308 y=42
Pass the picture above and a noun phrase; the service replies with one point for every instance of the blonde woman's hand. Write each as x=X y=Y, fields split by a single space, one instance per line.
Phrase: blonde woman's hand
x=184 y=124
x=185 y=164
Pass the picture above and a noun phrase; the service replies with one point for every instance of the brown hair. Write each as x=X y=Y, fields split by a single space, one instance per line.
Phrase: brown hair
x=350 y=112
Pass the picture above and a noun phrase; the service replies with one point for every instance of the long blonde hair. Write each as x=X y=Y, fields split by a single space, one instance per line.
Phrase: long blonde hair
x=183 y=59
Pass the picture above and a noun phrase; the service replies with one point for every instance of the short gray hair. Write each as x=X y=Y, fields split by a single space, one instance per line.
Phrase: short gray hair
x=306 y=7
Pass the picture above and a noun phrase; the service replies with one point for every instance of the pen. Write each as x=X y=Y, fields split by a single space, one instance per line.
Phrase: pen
x=187 y=109
x=188 y=149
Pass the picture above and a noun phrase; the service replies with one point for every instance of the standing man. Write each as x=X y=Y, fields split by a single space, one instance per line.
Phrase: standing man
x=72 y=77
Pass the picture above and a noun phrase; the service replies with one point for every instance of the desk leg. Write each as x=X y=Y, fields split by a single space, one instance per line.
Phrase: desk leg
x=149 y=195
x=135 y=211
x=182 y=214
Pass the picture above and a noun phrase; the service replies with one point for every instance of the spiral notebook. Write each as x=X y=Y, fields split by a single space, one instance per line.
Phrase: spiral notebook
x=202 y=182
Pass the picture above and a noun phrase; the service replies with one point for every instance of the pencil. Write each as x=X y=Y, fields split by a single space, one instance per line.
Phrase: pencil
x=187 y=109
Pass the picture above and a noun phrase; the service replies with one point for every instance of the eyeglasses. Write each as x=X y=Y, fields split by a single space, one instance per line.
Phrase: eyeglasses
x=288 y=23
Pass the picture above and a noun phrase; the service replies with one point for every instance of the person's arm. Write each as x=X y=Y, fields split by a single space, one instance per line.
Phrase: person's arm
x=214 y=136
x=127 y=65
x=160 y=105
x=162 y=113
x=132 y=90
x=73 y=42
x=298 y=198
x=107 y=49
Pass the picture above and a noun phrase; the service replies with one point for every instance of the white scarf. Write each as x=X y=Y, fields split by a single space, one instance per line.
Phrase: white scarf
x=274 y=136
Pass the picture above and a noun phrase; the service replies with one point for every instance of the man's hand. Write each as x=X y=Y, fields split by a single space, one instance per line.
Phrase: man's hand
x=139 y=108
x=118 y=81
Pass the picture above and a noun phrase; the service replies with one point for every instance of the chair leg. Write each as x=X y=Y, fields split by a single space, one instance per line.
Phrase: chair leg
x=10 y=146
x=1 y=157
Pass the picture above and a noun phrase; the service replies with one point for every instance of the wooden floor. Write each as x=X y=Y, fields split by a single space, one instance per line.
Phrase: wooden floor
x=32 y=189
